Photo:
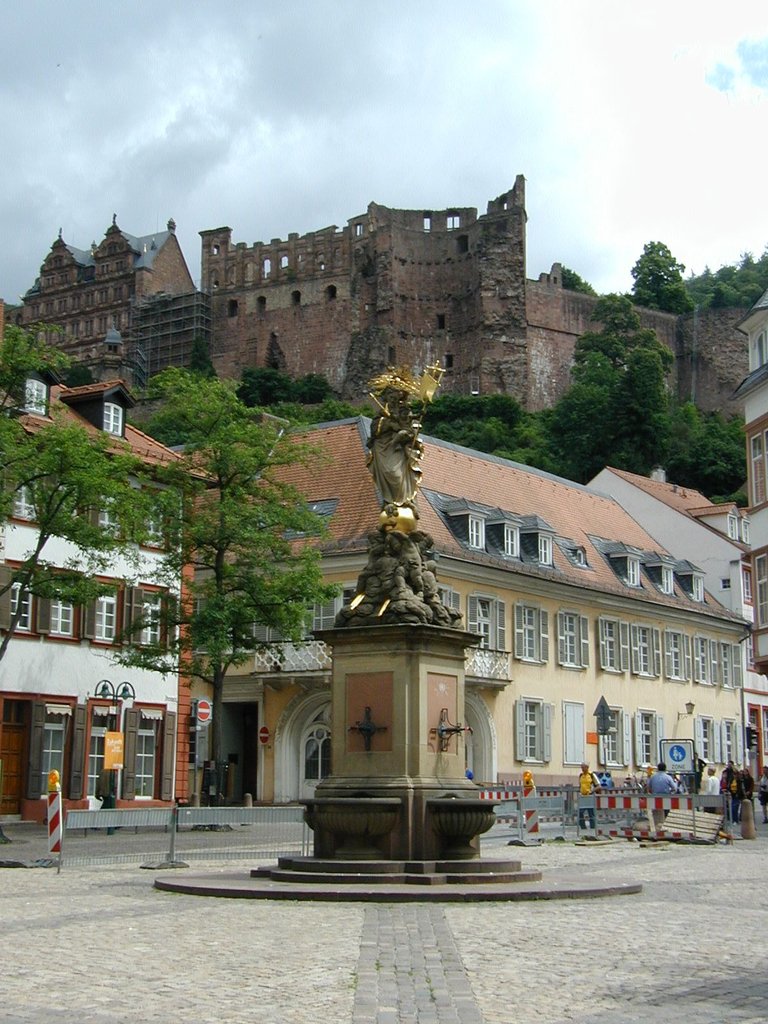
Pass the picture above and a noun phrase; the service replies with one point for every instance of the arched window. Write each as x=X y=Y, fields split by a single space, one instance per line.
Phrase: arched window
x=266 y=268
x=296 y=298
x=317 y=753
x=330 y=292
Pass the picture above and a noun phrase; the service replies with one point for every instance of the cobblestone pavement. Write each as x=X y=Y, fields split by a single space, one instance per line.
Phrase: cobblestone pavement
x=99 y=945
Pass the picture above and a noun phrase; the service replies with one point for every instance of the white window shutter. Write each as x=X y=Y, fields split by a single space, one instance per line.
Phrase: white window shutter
x=501 y=626
x=547 y=733
x=739 y=743
x=719 y=752
x=737 y=654
x=624 y=637
x=638 y=740
x=519 y=729
x=544 y=635
x=656 y=633
x=584 y=641
x=560 y=638
x=601 y=642
x=626 y=720
x=698 y=732
x=472 y=614
x=687 y=655
x=635 y=651
x=667 y=654
x=601 y=750
x=518 y=631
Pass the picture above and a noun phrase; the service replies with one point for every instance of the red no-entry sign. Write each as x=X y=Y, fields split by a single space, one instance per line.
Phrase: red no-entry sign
x=263 y=734
x=204 y=711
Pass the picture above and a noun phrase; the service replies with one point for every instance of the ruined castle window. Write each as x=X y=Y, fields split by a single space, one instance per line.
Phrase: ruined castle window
x=330 y=292
x=266 y=268
x=452 y=221
x=448 y=361
x=261 y=305
x=427 y=222
x=462 y=244
x=391 y=355
x=474 y=385
x=215 y=283
x=283 y=261
x=321 y=261
x=215 y=249
x=358 y=230
x=441 y=321
x=296 y=298
x=232 y=307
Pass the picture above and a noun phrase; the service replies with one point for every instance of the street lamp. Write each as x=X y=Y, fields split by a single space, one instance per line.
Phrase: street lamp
x=690 y=707
x=107 y=690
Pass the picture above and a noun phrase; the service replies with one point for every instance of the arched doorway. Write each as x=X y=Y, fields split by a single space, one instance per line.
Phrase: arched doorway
x=302 y=746
x=481 y=742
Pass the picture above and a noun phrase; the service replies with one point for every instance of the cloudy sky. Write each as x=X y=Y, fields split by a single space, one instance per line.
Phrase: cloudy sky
x=632 y=122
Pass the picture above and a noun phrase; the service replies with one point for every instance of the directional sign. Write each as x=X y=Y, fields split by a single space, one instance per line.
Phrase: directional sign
x=603 y=716
x=204 y=711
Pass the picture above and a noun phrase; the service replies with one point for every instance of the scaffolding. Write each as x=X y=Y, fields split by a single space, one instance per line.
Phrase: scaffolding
x=162 y=331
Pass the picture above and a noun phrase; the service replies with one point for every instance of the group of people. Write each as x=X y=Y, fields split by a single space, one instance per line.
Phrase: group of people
x=737 y=783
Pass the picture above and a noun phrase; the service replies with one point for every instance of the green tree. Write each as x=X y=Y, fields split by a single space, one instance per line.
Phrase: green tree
x=706 y=452
x=574 y=283
x=615 y=410
x=66 y=474
x=245 y=533
x=659 y=280
x=200 y=358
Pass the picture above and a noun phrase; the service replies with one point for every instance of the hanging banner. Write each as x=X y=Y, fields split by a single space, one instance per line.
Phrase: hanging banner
x=113 y=750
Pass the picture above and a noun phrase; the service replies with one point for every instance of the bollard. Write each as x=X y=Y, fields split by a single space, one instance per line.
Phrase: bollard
x=247 y=800
x=748 y=820
x=194 y=800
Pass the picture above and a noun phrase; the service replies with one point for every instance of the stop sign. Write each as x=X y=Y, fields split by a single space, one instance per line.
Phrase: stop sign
x=263 y=734
x=204 y=711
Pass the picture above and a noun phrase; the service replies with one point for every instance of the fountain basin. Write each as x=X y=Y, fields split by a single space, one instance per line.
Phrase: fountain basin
x=354 y=823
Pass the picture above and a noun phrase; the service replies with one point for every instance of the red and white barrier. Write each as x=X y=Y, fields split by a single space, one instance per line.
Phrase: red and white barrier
x=54 y=822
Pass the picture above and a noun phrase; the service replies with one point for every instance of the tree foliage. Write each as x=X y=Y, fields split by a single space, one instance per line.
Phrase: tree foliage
x=659 y=281
x=67 y=474
x=265 y=386
x=574 y=283
x=735 y=285
x=242 y=530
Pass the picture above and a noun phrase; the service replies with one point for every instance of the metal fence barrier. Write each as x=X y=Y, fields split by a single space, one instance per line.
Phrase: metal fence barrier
x=169 y=835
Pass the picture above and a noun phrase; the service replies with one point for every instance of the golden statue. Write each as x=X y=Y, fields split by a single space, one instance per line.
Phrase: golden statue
x=395 y=449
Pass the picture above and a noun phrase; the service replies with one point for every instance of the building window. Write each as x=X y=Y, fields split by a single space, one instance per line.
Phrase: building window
x=728 y=741
x=757 y=467
x=106 y=618
x=95 y=757
x=359 y=228
x=533 y=730
x=477 y=533
x=22 y=504
x=511 y=541
x=35 y=396
x=330 y=293
x=266 y=268
x=150 y=617
x=62 y=618
x=633 y=572
x=702 y=664
x=107 y=521
x=746 y=583
x=677 y=655
x=697 y=588
x=572 y=640
x=441 y=321
x=614 y=645
x=232 y=308
x=760 y=350
x=545 y=549
x=22 y=605
x=146 y=749
x=54 y=732
x=296 y=298
x=317 y=754
x=645 y=650
x=113 y=418
x=761 y=579
x=452 y=221
x=487 y=616
x=612 y=744
x=667 y=580
x=733 y=526
x=705 y=735
x=427 y=222
x=744 y=526
x=531 y=633
x=647 y=735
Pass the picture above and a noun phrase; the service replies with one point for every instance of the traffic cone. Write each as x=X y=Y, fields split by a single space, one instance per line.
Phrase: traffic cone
x=748 y=820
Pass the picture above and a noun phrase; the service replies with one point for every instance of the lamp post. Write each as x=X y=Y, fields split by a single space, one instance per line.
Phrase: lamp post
x=115 y=693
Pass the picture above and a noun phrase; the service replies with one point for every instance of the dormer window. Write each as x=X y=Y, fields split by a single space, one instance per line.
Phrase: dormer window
x=477 y=533
x=113 y=418
x=511 y=541
x=697 y=588
x=733 y=526
x=691 y=580
x=667 y=580
x=545 y=549
x=633 y=571
x=35 y=396
x=744 y=530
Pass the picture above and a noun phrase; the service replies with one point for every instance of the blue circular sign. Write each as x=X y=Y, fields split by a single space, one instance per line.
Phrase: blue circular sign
x=677 y=753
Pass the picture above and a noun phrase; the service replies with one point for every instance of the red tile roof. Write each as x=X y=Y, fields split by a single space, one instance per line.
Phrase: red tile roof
x=574 y=513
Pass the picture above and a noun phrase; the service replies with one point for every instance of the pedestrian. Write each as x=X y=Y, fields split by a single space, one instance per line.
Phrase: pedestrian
x=588 y=786
x=661 y=784
x=746 y=784
x=729 y=784
x=762 y=793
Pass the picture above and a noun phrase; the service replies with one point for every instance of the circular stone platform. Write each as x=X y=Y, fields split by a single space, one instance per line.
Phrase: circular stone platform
x=307 y=878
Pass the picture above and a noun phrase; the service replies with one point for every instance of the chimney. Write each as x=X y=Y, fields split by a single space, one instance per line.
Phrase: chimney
x=659 y=474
